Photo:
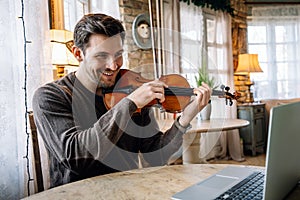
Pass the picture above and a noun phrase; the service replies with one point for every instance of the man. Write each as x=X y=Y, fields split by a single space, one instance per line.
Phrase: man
x=82 y=137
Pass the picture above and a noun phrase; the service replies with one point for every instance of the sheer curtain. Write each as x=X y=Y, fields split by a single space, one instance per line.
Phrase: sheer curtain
x=273 y=33
x=107 y=7
x=191 y=29
x=218 y=143
x=196 y=43
x=13 y=171
x=171 y=37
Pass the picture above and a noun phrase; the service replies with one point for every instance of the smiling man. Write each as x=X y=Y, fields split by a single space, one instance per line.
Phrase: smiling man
x=83 y=138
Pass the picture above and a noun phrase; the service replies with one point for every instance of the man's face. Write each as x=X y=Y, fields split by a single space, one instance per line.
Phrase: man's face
x=103 y=59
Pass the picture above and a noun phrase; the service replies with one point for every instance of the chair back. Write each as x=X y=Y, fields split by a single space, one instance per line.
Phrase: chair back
x=39 y=184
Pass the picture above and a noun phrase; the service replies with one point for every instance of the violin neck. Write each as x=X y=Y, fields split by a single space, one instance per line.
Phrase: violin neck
x=180 y=91
x=170 y=91
x=217 y=93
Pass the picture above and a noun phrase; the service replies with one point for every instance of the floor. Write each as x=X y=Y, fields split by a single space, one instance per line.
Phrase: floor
x=258 y=160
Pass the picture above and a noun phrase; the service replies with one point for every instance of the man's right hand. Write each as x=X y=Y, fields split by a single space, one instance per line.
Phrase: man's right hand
x=148 y=92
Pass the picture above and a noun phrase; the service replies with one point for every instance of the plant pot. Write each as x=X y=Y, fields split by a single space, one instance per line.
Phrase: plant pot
x=205 y=112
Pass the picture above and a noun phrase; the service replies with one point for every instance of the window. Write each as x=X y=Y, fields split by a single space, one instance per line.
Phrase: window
x=216 y=47
x=277 y=46
x=73 y=11
x=205 y=45
x=276 y=40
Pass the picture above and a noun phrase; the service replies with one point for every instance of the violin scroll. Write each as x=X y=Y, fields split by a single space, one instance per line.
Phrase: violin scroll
x=227 y=95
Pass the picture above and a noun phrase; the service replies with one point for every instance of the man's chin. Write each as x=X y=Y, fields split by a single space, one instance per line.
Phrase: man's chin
x=106 y=84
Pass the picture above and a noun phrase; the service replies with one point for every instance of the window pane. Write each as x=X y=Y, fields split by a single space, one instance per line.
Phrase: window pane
x=219 y=34
x=284 y=33
x=73 y=11
x=210 y=23
x=79 y=8
x=282 y=71
x=67 y=16
x=283 y=89
x=284 y=52
x=262 y=75
x=212 y=58
x=261 y=50
x=220 y=59
x=190 y=55
x=257 y=34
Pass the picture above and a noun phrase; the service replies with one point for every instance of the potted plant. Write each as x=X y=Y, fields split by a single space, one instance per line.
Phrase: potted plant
x=203 y=76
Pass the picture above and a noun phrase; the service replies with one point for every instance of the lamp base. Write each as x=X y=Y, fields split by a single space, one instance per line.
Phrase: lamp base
x=249 y=94
x=249 y=97
x=58 y=72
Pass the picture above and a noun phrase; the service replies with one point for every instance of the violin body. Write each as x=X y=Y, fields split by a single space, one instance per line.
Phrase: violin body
x=177 y=95
x=131 y=80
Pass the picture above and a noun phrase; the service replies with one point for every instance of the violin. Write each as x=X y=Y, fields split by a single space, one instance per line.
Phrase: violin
x=177 y=95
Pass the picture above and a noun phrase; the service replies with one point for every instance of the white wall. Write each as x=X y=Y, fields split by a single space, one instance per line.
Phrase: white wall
x=13 y=135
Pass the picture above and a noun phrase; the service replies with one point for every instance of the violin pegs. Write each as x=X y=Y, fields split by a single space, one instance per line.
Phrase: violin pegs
x=227 y=88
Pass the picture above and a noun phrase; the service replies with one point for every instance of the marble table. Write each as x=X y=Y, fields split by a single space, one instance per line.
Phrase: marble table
x=148 y=183
x=212 y=125
x=191 y=140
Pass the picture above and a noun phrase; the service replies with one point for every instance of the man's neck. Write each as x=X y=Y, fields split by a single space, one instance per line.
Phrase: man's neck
x=87 y=82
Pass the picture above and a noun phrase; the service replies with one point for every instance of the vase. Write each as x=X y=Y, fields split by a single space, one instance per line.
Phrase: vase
x=205 y=112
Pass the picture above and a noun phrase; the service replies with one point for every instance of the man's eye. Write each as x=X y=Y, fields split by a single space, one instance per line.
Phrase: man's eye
x=102 y=56
x=118 y=55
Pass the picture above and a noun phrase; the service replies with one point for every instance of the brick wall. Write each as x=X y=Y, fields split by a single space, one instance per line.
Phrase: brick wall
x=138 y=59
x=239 y=44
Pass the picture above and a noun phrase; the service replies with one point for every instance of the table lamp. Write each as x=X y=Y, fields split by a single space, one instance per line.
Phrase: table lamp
x=248 y=63
x=61 y=43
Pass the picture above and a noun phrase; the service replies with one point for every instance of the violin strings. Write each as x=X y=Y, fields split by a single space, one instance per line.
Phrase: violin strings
x=179 y=91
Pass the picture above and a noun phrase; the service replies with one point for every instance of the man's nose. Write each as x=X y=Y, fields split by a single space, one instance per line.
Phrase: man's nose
x=112 y=64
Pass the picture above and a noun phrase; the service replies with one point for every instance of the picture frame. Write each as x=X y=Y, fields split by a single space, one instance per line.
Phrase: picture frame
x=141 y=31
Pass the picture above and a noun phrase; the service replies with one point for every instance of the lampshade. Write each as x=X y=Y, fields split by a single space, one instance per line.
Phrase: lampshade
x=61 y=53
x=248 y=63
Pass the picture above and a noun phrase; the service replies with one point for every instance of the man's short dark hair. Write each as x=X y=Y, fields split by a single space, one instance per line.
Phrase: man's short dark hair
x=96 y=24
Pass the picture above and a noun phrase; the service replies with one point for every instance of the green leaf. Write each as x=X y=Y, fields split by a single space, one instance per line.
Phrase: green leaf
x=203 y=76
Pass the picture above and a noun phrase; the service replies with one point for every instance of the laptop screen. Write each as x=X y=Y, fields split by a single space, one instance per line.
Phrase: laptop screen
x=282 y=161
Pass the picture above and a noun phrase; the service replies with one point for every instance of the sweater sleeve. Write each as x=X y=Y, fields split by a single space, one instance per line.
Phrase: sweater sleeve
x=156 y=146
x=158 y=149
x=66 y=140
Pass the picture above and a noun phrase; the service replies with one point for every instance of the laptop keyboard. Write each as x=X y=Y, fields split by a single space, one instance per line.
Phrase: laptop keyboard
x=250 y=188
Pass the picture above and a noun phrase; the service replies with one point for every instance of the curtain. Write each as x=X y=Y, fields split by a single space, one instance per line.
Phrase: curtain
x=216 y=144
x=191 y=41
x=273 y=34
x=13 y=137
x=191 y=48
x=171 y=37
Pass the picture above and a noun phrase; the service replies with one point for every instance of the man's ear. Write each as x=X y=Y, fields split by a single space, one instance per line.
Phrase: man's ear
x=78 y=54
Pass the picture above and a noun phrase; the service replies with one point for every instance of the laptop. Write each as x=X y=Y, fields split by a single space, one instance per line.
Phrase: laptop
x=282 y=171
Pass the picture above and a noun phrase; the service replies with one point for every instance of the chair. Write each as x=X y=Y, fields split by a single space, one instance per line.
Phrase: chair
x=39 y=184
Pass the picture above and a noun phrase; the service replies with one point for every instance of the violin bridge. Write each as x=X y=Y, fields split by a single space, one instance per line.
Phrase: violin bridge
x=158 y=105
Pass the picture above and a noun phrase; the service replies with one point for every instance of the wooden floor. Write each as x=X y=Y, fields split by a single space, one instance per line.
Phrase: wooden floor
x=258 y=160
